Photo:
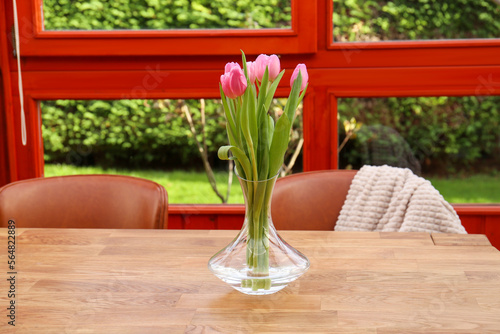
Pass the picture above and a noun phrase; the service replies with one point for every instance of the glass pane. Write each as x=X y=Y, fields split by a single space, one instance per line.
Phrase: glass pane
x=452 y=141
x=381 y=20
x=151 y=139
x=165 y=14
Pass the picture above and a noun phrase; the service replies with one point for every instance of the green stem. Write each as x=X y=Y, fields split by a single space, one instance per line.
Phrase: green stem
x=258 y=196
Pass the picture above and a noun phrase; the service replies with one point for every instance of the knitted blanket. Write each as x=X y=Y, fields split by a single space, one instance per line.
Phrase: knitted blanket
x=389 y=199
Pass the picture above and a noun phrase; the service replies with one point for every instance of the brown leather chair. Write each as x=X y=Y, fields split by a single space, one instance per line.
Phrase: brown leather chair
x=85 y=201
x=311 y=200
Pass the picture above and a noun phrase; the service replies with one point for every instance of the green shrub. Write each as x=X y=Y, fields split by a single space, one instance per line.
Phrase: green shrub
x=165 y=14
x=126 y=132
x=131 y=133
x=368 y=20
x=444 y=133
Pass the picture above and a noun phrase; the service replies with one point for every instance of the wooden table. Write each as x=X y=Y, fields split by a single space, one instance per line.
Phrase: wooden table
x=157 y=281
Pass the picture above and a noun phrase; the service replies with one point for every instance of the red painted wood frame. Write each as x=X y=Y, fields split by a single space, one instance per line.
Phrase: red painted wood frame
x=299 y=38
x=114 y=65
x=477 y=219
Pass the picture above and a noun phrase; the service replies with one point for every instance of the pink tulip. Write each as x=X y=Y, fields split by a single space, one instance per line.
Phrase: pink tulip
x=274 y=67
x=271 y=62
x=230 y=66
x=251 y=71
x=305 y=77
x=260 y=66
x=233 y=81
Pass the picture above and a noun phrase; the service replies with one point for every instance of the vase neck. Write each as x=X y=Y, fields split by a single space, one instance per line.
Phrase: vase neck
x=257 y=194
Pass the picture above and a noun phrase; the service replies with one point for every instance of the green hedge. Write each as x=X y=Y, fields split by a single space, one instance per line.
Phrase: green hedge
x=440 y=134
x=445 y=134
x=127 y=132
x=368 y=20
x=165 y=14
x=134 y=133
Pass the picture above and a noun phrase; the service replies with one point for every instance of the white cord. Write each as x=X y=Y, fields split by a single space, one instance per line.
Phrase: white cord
x=19 y=77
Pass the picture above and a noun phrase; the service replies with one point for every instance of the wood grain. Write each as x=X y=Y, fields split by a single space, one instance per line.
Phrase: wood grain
x=157 y=281
x=445 y=239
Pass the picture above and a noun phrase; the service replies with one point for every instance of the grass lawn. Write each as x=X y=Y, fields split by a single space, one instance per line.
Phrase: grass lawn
x=481 y=188
x=193 y=187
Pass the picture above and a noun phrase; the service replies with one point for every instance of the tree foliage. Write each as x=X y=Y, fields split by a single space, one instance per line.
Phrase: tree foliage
x=369 y=20
x=165 y=14
x=445 y=134
x=127 y=132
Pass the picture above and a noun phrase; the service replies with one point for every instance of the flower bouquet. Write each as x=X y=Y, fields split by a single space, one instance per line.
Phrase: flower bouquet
x=258 y=261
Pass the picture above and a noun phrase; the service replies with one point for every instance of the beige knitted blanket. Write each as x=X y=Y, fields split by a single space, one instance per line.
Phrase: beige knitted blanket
x=389 y=199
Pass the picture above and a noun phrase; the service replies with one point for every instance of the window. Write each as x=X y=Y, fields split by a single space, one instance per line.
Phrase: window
x=296 y=37
x=410 y=24
x=374 y=21
x=165 y=15
x=453 y=141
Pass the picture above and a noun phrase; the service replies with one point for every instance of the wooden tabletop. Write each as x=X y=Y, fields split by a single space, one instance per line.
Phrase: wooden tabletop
x=157 y=281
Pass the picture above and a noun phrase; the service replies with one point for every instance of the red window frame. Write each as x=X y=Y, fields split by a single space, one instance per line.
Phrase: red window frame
x=299 y=38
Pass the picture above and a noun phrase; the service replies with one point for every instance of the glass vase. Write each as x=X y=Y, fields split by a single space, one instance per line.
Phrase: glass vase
x=258 y=261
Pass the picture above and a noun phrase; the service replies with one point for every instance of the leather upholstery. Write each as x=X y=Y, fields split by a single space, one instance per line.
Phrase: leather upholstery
x=85 y=201
x=311 y=200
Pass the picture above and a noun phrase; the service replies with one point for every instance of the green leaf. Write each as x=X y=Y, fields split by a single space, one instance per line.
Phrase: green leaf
x=236 y=112
x=244 y=121
x=246 y=125
x=239 y=155
x=229 y=117
x=272 y=90
x=279 y=144
x=263 y=150
x=252 y=116
x=292 y=102
x=263 y=91
x=244 y=62
x=270 y=129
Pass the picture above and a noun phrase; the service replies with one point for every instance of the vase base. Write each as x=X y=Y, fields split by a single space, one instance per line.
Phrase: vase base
x=254 y=286
x=276 y=281
x=259 y=292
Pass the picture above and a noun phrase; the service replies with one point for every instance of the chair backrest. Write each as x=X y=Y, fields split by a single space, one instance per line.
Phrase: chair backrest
x=311 y=200
x=85 y=201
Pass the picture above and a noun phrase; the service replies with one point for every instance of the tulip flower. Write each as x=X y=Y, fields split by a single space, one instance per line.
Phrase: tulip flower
x=251 y=71
x=230 y=66
x=303 y=72
x=271 y=62
x=233 y=81
x=257 y=145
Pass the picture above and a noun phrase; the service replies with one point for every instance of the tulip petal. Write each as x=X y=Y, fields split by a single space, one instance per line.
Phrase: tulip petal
x=260 y=66
x=238 y=82
x=303 y=72
x=274 y=67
